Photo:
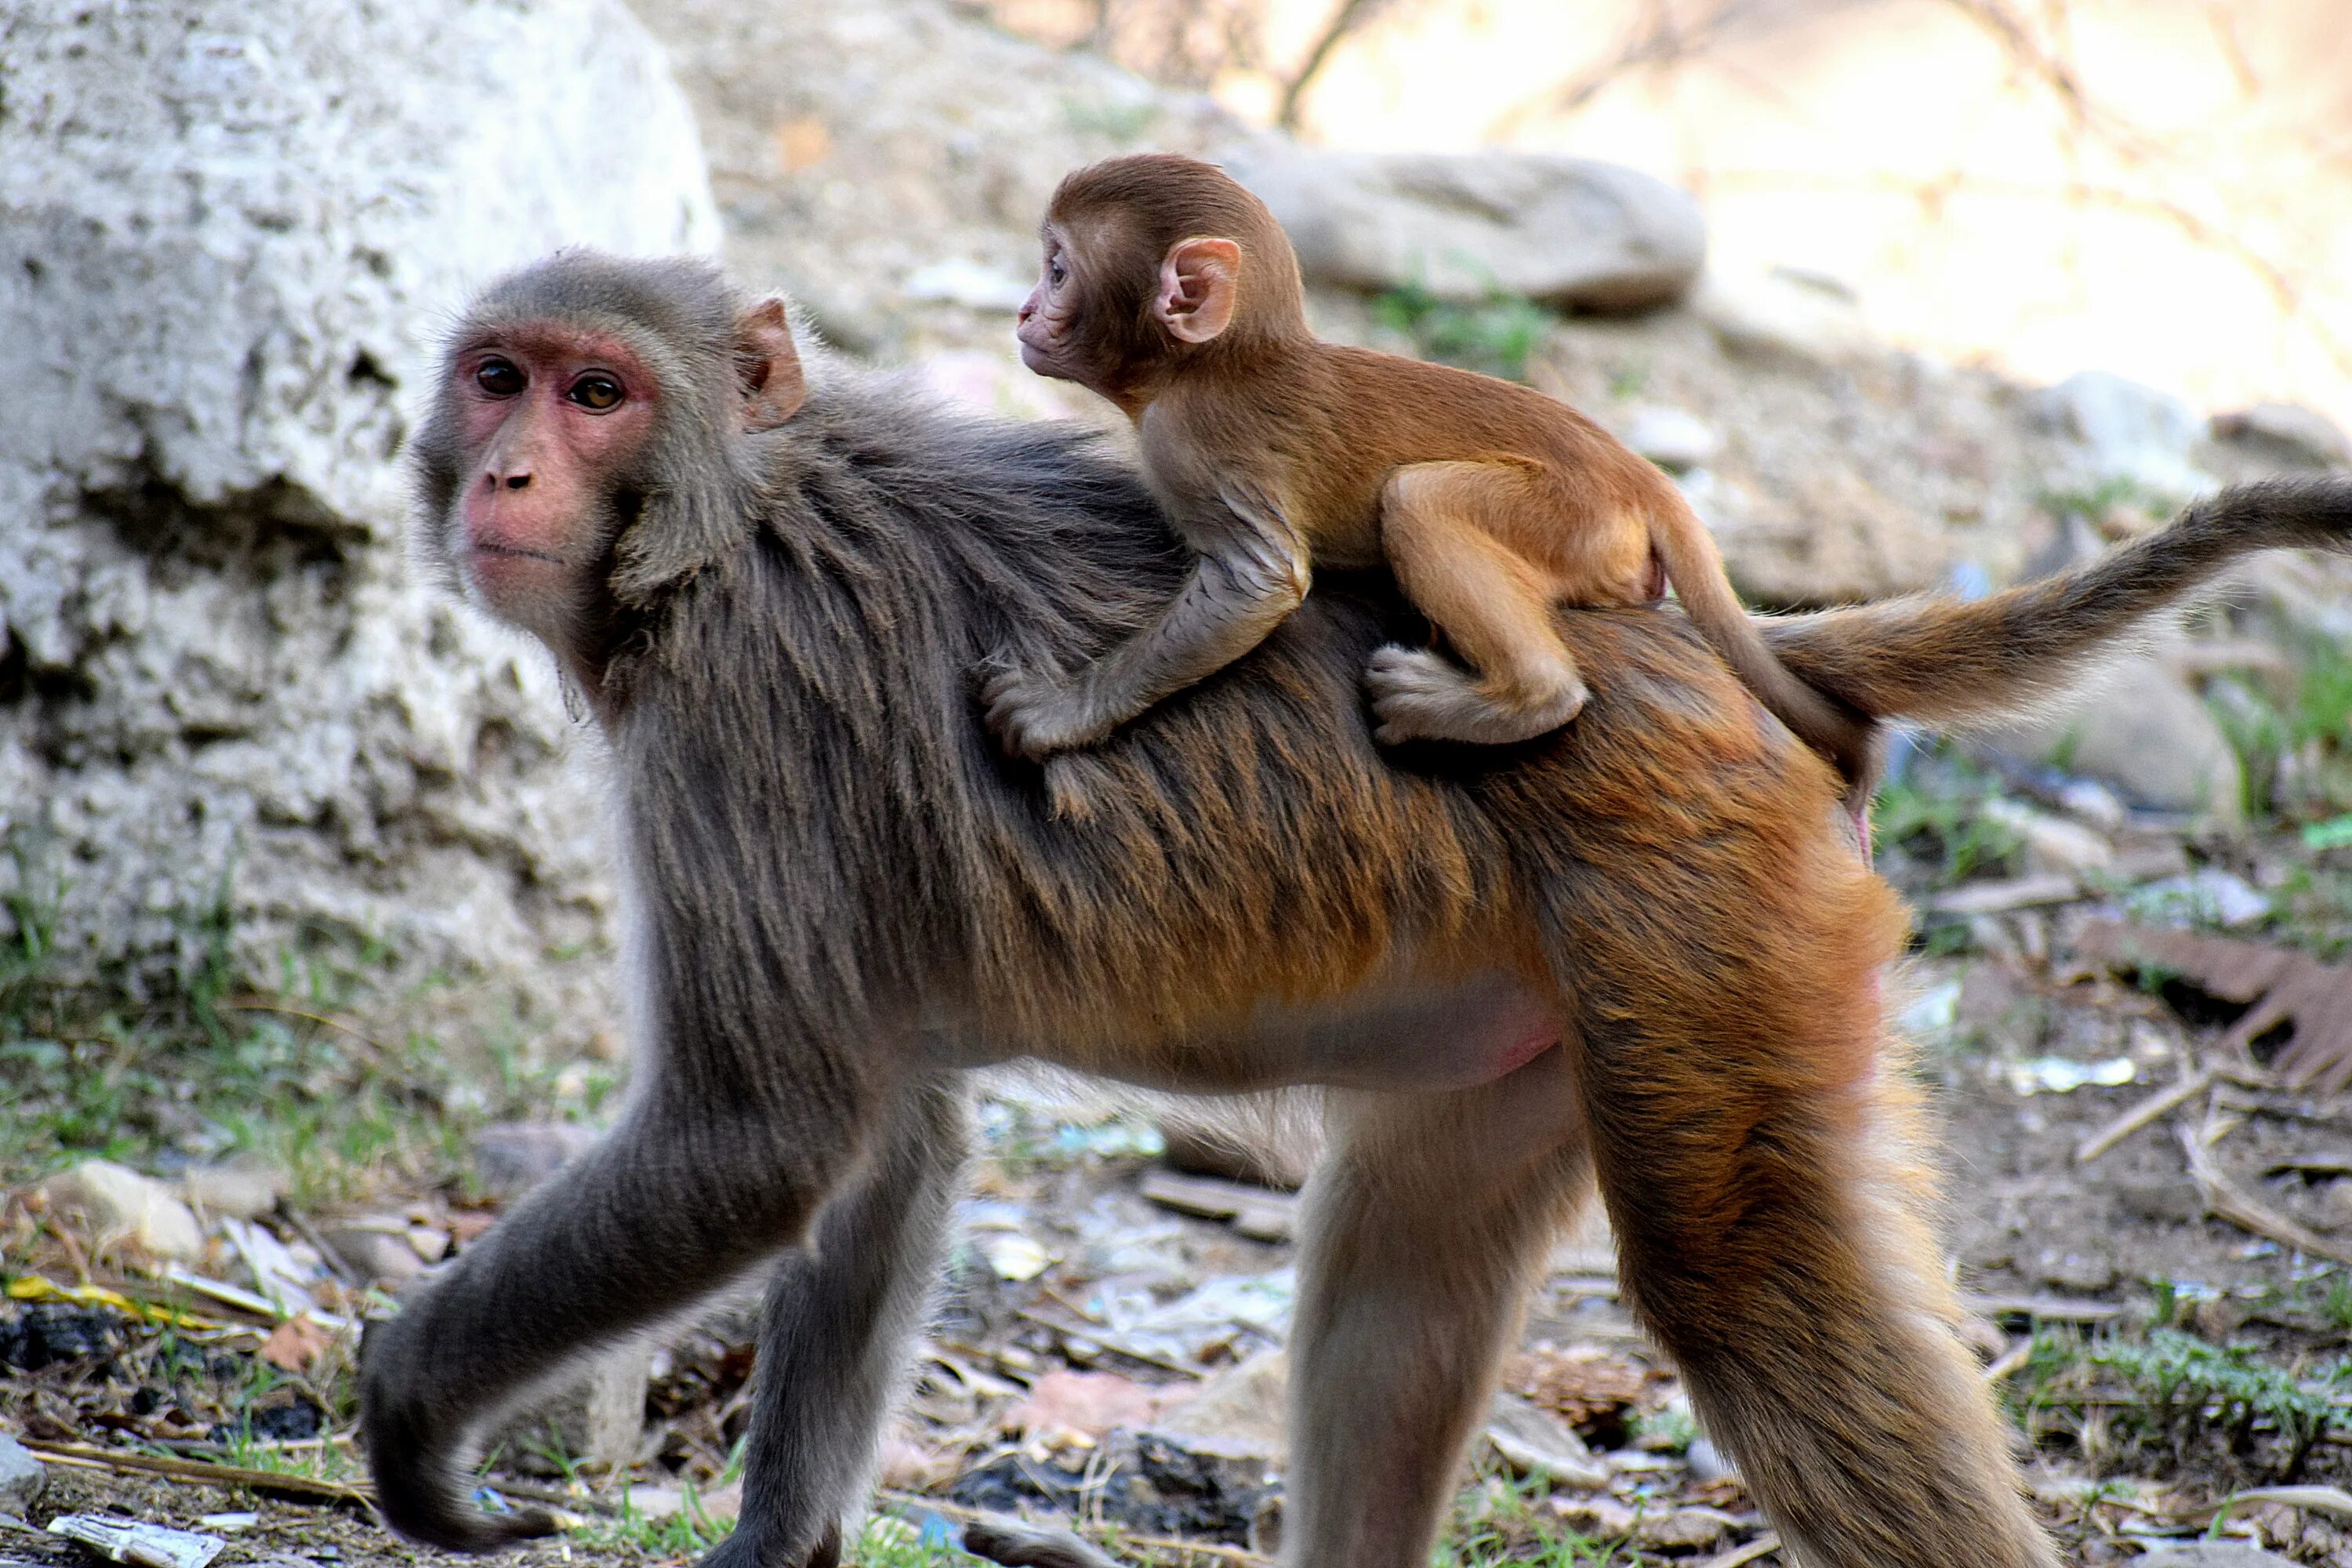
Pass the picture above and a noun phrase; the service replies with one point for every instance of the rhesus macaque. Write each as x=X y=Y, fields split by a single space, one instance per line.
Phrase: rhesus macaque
x=1638 y=955
x=1172 y=290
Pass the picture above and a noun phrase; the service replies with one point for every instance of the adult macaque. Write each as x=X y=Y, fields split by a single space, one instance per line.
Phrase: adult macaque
x=1641 y=952
x=1172 y=290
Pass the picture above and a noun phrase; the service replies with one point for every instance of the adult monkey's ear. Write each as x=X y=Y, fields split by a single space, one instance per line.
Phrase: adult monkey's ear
x=767 y=367
x=1199 y=286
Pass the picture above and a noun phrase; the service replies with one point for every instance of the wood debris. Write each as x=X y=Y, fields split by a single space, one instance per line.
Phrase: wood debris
x=2278 y=986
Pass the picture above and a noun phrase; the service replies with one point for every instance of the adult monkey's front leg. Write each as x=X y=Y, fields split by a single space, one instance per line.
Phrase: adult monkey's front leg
x=832 y=1334
x=676 y=1200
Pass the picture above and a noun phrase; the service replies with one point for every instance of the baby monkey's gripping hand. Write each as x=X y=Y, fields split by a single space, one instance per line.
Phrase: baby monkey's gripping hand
x=1035 y=713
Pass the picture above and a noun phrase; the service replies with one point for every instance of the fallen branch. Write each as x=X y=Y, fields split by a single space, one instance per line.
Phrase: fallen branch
x=2223 y=1201
x=1763 y=1545
x=270 y=1483
x=956 y=1512
x=2150 y=1110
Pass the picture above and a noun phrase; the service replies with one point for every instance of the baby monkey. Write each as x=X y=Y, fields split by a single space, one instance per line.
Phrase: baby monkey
x=1172 y=290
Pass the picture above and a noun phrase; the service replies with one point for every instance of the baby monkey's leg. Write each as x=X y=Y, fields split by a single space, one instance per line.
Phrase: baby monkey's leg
x=1439 y=527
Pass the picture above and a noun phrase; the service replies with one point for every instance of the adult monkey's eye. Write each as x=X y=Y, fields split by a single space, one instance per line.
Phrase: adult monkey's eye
x=499 y=377
x=596 y=391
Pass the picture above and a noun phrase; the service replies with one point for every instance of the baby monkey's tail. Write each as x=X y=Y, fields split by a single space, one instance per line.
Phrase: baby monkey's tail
x=1696 y=568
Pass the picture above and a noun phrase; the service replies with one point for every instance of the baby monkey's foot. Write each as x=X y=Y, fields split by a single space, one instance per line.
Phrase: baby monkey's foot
x=1418 y=696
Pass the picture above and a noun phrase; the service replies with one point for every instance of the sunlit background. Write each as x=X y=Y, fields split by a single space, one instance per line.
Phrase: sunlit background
x=2159 y=188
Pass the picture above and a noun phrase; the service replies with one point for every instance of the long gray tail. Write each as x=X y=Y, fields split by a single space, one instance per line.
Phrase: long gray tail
x=1943 y=660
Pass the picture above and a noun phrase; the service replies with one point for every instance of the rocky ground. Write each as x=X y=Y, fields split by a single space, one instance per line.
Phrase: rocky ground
x=2122 y=911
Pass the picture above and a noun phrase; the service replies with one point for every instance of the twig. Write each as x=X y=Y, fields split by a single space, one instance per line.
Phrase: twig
x=2223 y=1201
x=378 y=1047
x=270 y=1482
x=947 y=1510
x=2155 y=1106
x=1763 y=1545
x=1107 y=1339
x=2010 y=1360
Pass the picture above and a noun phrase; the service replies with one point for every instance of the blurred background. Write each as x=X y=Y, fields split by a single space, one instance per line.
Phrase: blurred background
x=307 y=929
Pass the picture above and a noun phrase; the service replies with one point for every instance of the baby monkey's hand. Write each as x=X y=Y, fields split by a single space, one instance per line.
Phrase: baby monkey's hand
x=1036 y=713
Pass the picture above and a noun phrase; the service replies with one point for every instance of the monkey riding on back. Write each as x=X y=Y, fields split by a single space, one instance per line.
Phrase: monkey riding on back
x=1172 y=290
x=1640 y=959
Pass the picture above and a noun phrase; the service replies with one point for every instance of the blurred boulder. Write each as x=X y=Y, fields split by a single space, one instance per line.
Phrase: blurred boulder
x=22 y=1478
x=228 y=235
x=2127 y=432
x=2286 y=433
x=1784 y=317
x=512 y=1157
x=2139 y=728
x=1565 y=231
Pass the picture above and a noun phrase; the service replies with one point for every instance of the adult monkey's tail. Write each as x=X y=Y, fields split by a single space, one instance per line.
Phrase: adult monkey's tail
x=1942 y=660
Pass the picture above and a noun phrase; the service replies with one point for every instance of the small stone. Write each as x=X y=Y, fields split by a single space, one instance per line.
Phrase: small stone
x=1784 y=317
x=2300 y=435
x=1708 y=1462
x=1537 y=1443
x=2087 y=1272
x=1236 y=1415
x=594 y=1417
x=1672 y=438
x=239 y=1189
x=375 y=1250
x=2140 y=729
x=1684 y=1530
x=2052 y=843
x=512 y=1157
x=22 y=1477
x=2212 y=1554
x=2127 y=431
x=119 y=1207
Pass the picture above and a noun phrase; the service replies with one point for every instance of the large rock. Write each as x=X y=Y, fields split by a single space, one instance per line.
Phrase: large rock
x=227 y=235
x=2128 y=433
x=1567 y=231
x=2139 y=728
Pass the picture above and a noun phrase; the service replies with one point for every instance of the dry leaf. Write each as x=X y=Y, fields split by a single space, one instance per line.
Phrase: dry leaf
x=295 y=1343
x=2278 y=984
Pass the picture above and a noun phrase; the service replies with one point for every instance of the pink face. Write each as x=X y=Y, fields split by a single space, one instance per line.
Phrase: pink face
x=1049 y=317
x=546 y=416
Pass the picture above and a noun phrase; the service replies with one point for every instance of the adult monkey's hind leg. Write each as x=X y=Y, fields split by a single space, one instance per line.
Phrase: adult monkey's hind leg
x=831 y=1337
x=1438 y=529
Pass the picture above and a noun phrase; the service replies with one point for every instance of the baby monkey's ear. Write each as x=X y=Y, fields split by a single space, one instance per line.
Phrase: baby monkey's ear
x=1200 y=287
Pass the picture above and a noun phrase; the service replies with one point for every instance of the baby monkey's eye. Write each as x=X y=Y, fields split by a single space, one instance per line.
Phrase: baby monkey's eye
x=1056 y=271
x=499 y=377
x=596 y=391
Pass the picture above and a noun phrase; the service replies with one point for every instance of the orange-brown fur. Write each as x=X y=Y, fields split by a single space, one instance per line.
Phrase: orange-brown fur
x=841 y=897
x=1493 y=503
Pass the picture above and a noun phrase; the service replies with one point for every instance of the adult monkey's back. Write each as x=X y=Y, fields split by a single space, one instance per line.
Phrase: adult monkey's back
x=841 y=897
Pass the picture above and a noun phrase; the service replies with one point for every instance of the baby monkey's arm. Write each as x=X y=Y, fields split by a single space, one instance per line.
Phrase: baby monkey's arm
x=1253 y=571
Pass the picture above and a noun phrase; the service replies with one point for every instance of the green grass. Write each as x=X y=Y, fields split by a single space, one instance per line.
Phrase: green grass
x=2168 y=1396
x=1494 y=335
x=1502 y=1521
x=1933 y=819
x=218 y=1062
